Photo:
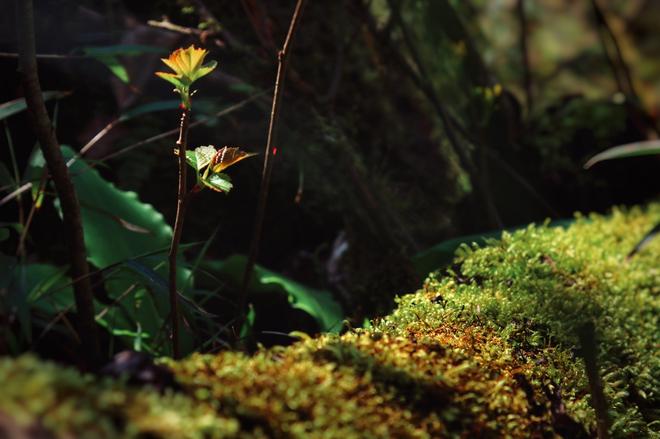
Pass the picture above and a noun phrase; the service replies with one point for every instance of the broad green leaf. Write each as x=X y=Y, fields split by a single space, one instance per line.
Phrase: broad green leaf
x=17 y=105
x=204 y=155
x=191 y=159
x=117 y=69
x=4 y=234
x=110 y=243
x=34 y=286
x=319 y=304
x=151 y=107
x=218 y=182
x=637 y=149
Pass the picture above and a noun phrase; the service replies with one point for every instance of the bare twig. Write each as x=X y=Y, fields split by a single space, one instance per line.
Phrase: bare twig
x=524 y=53
x=282 y=63
x=25 y=187
x=182 y=146
x=202 y=121
x=59 y=172
x=605 y=29
x=46 y=56
x=203 y=35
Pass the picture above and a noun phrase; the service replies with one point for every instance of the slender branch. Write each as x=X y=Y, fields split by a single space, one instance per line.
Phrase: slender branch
x=524 y=52
x=282 y=64
x=45 y=56
x=182 y=146
x=57 y=167
x=606 y=29
x=27 y=186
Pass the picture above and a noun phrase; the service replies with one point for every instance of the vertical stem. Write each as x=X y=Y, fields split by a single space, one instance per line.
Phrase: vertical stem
x=282 y=64
x=182 y=146
x=65 y=190
x=524 y=52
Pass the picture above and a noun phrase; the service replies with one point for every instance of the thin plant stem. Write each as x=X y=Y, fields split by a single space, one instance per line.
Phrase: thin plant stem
x=65 y=190
x=524 y=54
x=282 y=64
x=20 y=250
x=182 y=146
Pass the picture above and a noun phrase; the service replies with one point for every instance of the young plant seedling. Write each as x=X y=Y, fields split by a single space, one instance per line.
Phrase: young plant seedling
x=208 y=163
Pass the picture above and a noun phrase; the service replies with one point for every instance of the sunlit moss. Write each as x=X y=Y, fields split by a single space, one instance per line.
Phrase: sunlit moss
x=486 y=349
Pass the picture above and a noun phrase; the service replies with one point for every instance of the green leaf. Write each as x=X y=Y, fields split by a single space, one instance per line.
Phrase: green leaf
x=17 y=105
x=4 y=234
x=191 y=159
x=110 y=243
x=204 y=70
x=122 y=49
x=34 y=286
x=117 y=69
x=174 y=80
x=204 y=155
x=218 y=182
x=637 y=149
x=319 y=304
x=151 y=107
x=108 y=56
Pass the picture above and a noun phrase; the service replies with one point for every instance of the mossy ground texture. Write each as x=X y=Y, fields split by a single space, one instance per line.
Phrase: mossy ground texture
x=489 y=348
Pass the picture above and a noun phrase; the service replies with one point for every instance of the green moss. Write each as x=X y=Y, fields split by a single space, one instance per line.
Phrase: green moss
x=537 y=287
x=488 y=349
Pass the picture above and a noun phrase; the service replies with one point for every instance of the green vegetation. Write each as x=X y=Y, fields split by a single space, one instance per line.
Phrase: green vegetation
x=489 y=348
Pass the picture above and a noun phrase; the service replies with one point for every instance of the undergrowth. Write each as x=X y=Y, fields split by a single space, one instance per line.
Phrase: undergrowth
x=488 y=348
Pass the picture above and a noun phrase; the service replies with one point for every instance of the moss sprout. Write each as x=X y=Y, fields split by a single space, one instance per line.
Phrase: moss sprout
x=489 y=348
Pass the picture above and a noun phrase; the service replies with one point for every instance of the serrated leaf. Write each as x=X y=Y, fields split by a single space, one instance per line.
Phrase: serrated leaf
x=204 y=155
x=191 y=158
x=229 y=156
x=218 y=182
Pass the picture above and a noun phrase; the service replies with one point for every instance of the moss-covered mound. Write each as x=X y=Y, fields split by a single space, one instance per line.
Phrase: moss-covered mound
x=489 y=349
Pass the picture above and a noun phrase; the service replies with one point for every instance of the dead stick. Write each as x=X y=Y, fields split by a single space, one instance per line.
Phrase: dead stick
x=65 y=190
x=282 y=63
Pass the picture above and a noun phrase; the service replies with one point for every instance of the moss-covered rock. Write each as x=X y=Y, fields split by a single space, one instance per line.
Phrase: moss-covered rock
x=490 y=348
